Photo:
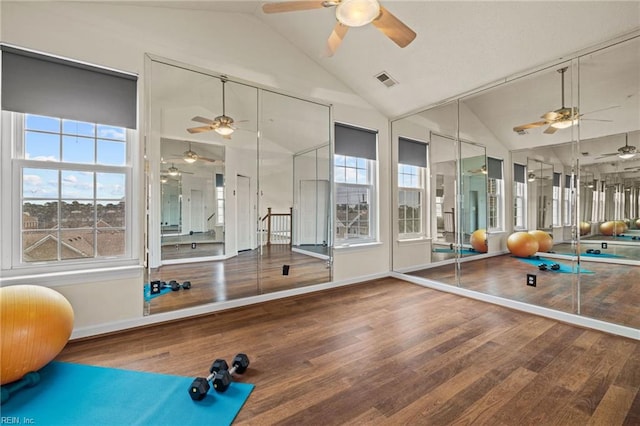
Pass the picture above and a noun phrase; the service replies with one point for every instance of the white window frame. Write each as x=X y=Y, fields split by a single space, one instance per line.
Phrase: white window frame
x=499 y=210
x=371 y=188
x=520 y=195
x=423 y=205
x=13 y=162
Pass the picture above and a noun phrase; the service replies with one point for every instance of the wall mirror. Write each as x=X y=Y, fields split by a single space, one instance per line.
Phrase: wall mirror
x=565 y=134
x=237 y=189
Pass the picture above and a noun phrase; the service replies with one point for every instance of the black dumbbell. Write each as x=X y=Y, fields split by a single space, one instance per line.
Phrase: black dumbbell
x=555 y=267
x=29 y=380
x=200 y=385
x=222 y=379
x=542 y=266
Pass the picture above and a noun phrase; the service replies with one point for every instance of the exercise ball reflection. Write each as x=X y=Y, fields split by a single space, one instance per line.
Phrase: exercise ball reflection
x=522 y=244
x=545 y=241
x=35 y=325
x=479 y=240
x=585 y=228
x=612 y=227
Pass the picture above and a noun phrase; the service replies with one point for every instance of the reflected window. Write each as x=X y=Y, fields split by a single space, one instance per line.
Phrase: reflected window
x=412 y=163
x=519 y=197
x=219 y=199
x=495 y=195
x=566 y=200
x=557 y=218
x=355 y=168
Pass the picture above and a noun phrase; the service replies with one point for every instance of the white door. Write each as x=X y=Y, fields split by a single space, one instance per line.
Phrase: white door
x=197 y=211
x=244 y=213
x=313 y=220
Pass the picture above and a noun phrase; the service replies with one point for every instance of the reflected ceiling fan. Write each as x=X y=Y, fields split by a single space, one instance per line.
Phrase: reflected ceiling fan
x=482 y=170
x=190 y=156
x=625 y=152
x=173 y=171
x=561 y=118
x=351 y=13
x=222 y=124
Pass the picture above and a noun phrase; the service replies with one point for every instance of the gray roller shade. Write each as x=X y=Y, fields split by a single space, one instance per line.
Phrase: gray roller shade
x=567 y=181
x=412 y=153
x=494 y=168
x=518 y=172
x=219 y=180
x=355 y=142
x=38 y=84
x=556 y=179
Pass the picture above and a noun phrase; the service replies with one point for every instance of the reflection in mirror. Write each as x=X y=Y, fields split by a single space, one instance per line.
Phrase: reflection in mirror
x=192 y=196
x=540 y=194
x=473 y=188
x=210 y=188
x=294 y=202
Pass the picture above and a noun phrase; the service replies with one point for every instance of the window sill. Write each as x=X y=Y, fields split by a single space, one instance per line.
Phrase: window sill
x=80 y=276
x=353 y=246
x=417 y=240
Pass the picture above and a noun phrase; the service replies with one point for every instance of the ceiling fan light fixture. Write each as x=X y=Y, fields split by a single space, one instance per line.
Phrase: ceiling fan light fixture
x=173 y=171
x=564 y=124
x=627 y=155
x=190 y=157
x=356 y=13
x=224 y=129
x=531 y=177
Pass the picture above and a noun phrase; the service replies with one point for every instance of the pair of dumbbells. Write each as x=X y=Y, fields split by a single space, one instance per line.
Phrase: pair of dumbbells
x=220 y=376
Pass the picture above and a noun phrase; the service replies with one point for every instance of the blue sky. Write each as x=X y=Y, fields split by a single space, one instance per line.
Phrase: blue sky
x=55 y=140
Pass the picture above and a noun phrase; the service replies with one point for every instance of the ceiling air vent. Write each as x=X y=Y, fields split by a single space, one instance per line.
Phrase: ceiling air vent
x=386 y=79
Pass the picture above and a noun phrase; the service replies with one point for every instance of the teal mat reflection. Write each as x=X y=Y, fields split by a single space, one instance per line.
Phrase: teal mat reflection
x=564 y=269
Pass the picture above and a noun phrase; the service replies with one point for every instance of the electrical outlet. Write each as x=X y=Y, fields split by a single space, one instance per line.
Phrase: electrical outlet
x=604 y=245
x=531 y=280
x=193 y=245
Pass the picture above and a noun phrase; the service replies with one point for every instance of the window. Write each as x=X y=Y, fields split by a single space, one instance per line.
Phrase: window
x=519 y=197
x=355 y=179
x=73 y=189
x=219 y=199
x=557 y=217
x=67 y=153
x=495 y=197
x=412 y=163
x=566 y=202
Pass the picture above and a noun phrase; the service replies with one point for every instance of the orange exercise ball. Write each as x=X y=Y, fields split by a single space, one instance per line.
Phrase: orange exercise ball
x=585 y=228
x=612 y=227
x=545 y=240
x=522 y=244
x=35 y=324
x=479 y=240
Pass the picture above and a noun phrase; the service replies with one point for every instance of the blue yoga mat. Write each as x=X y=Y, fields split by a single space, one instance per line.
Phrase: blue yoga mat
x=604 y=255
x=147 y=292
x=564 y=269
x=73 y=394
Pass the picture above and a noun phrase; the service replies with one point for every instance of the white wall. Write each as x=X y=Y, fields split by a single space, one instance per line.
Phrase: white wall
x=118 y=36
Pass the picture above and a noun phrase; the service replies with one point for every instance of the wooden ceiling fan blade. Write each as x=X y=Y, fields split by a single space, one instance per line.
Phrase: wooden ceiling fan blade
x=203 y=120
x=394 y=28
x=335 y=38
x=529 y=126
x=199 y=129
x=601 y=109
x=208 y=160
x=596 y=119
x=292 y=6
x=550 y=130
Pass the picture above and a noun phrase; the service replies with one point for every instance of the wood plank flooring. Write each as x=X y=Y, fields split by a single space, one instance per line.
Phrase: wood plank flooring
x=608 y=292
x=391 y=352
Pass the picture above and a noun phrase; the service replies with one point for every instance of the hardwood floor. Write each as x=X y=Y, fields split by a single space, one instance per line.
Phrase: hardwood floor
x=608 y=292
x=391 y=352
x=248 y=274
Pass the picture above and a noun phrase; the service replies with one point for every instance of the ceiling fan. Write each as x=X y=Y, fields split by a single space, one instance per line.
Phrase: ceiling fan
x=190 y=156
x=561 y=118
x=482 y=170
x=222 y=124
x=351 y=13
x=173 y=171
x=625 y=152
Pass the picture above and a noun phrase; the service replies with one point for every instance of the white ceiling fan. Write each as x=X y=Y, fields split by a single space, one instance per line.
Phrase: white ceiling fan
x=190 y=156
x=351 y=13
x=222 y=124
x=625 y=152
x=561 y=118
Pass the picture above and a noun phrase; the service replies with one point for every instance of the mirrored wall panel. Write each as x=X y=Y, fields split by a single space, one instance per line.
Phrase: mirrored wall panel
x=226 y=220
x=562 y=182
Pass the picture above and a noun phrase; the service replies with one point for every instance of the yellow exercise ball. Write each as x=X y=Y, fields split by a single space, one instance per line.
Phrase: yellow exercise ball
x=479 y=240
x=585 y=228
x=522 y=244
x=545 y=240
x=35 y=325
x=612 y=227
x=638 y=223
